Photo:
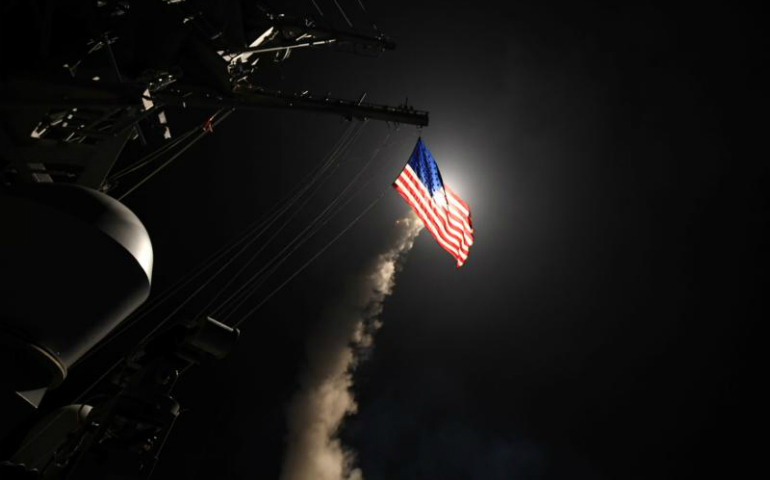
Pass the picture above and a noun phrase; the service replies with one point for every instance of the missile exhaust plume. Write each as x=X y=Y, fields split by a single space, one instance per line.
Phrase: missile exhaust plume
x=325 y=398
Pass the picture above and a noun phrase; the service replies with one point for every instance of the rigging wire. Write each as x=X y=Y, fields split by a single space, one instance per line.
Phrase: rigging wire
x=283 y=225
x=257 y=228
x=343 y=14
x=317 y=224
x=341 y=151
x=146 y=160
x=265 y=267
x=317 y=7
x=227 y=312
x=307 y=263
x=302 y=236
x=152 y=305
x=230 y=310
x=261 y=249
x=168 y=317
x=275 y=234
x=176 y=155
x=368 y=17
x=93 y=385
x=277 y=256
x=275 y=267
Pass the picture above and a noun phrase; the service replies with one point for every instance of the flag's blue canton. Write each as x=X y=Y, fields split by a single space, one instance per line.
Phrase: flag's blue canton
x=425 y=167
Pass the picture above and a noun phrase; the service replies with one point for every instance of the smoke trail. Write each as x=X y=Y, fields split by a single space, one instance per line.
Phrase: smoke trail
x=316 y=412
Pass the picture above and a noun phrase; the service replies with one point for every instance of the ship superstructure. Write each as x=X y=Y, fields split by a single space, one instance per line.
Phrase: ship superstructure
x=75 y=261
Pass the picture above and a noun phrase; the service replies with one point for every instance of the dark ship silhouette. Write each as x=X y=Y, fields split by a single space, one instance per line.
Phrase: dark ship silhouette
x=75 y=262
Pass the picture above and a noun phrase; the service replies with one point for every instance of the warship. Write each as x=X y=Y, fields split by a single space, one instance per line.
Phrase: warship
x=76 y=264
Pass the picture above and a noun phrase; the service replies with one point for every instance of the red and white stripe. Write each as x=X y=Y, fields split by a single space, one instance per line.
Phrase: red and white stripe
x=446 y=216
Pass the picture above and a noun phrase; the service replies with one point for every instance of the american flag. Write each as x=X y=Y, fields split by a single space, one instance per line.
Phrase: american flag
x=444 y=214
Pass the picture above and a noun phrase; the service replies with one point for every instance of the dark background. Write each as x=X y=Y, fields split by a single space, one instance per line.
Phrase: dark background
x=613 y=159
x=601 y=326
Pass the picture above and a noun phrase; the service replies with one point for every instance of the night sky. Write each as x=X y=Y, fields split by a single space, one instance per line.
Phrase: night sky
x=601 y=327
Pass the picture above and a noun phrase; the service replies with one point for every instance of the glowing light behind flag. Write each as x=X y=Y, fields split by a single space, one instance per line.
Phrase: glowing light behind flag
x=446 y=216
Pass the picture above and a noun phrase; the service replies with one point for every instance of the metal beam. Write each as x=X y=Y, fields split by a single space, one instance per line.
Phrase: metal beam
x=264 y=99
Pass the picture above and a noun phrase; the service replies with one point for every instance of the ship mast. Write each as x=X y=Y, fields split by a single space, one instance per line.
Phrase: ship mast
x=87 y=114
x=281 y=35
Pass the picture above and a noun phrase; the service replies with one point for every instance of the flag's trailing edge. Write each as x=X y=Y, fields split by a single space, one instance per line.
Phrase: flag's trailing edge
x=444 y=214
